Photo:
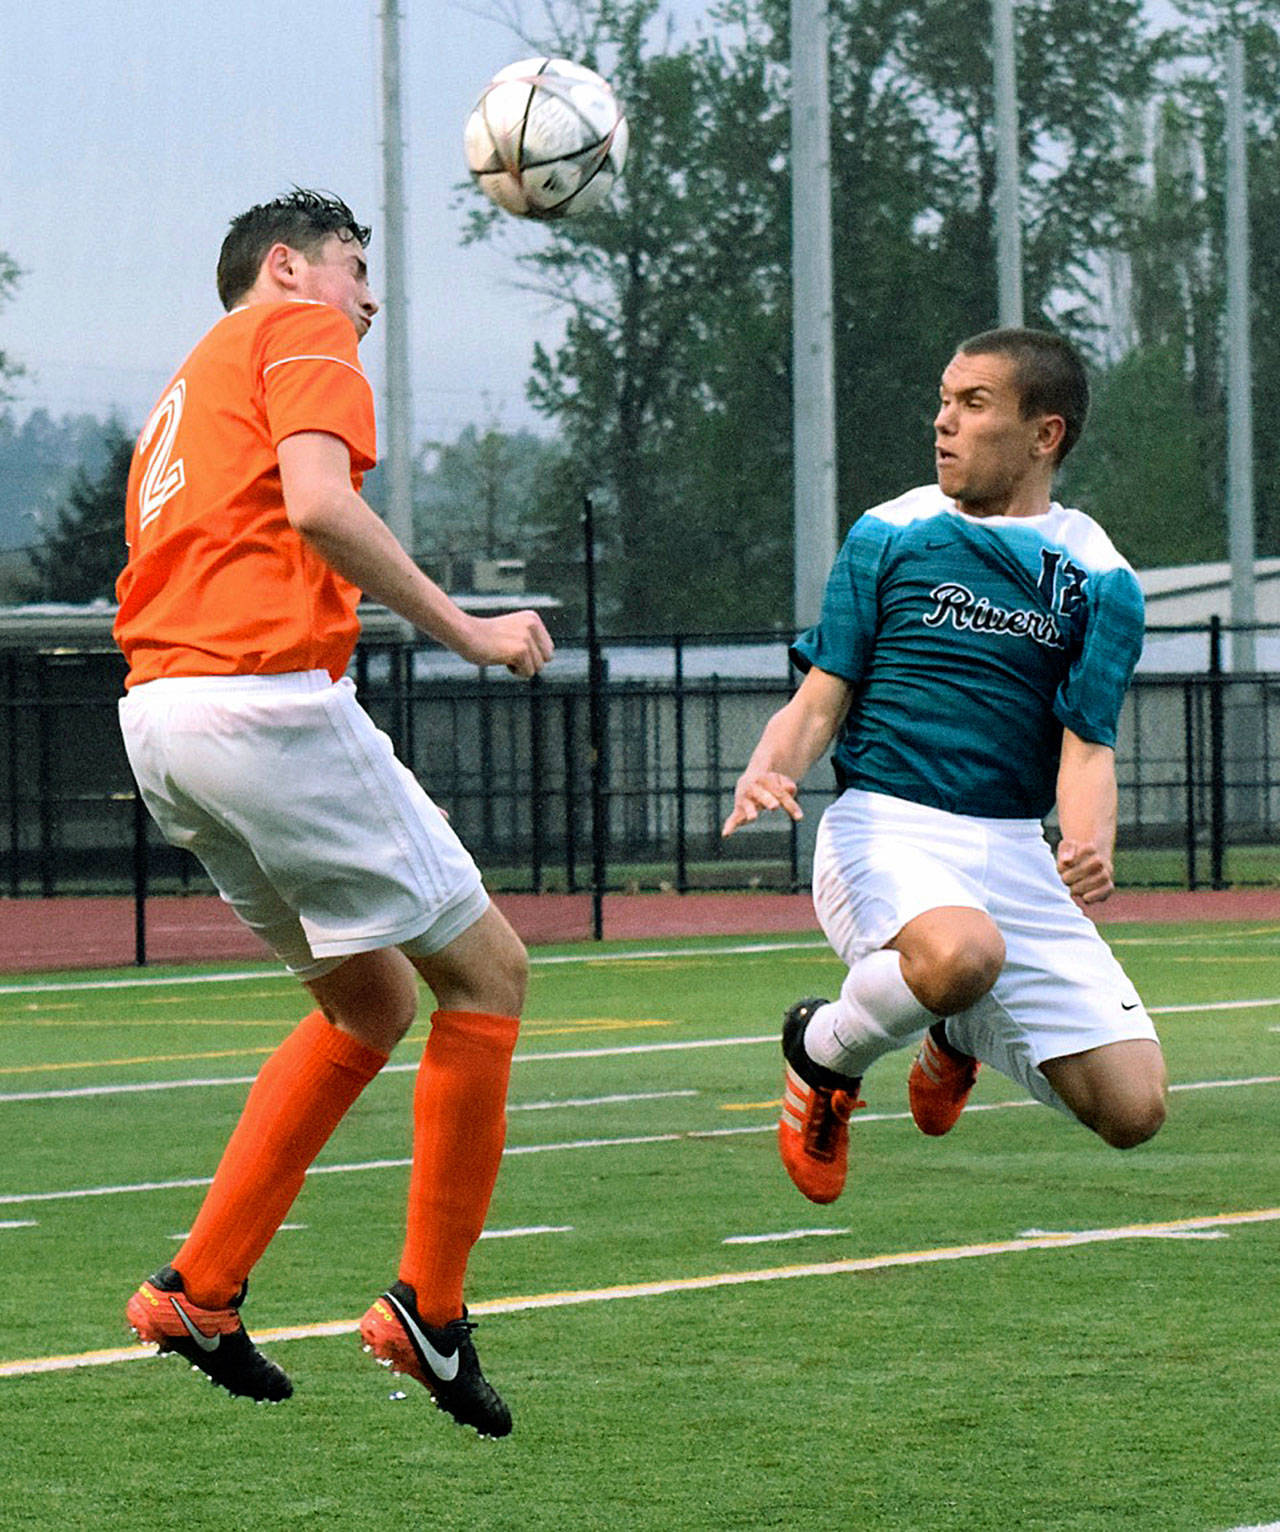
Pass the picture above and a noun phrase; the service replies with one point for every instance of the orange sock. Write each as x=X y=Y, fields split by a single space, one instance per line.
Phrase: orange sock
x=459 y=1128
x=302 y=1093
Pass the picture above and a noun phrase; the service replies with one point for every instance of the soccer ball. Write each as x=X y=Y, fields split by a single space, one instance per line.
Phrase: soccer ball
x=546 y=139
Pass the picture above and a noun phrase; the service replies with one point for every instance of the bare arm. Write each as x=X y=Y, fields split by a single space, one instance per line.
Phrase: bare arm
x=1087 y=816
x=315 y=475
x=792 y=741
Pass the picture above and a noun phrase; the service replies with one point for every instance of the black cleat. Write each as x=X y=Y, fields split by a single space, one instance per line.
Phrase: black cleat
x=213 y=1340
x=441 y=1358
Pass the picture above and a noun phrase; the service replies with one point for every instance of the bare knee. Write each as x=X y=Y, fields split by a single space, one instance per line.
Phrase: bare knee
x=372 y=995
x=950 y=958
x=485 y=969
x=1133 y=1124
x=507 y=981
x=1118 y=1090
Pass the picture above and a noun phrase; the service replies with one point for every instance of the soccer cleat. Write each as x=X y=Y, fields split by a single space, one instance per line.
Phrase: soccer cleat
x=939 y=1083
x=813 y=1130
x=212 y=1340
x=441 y=1358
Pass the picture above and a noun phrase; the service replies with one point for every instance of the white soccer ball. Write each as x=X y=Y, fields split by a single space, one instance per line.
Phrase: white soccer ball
x=546 y=139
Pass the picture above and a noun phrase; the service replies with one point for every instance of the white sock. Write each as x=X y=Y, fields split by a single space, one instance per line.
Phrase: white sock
x=876 y=1013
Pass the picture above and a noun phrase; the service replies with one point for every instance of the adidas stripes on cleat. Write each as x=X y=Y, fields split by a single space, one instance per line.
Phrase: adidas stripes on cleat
x=212 y=1340
x=813 y=1130
x=939 y=1083
x=441 y=1358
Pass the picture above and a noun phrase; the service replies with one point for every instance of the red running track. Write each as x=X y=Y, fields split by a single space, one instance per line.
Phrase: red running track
x=99 y=933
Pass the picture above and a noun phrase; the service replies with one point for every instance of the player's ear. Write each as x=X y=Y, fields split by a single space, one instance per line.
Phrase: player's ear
x=1049 y=434
x=281 y=264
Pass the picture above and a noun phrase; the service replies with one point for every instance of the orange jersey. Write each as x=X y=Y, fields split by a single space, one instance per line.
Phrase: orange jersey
x=218 y=582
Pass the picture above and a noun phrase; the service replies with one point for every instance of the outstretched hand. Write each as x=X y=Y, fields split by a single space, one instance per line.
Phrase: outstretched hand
x=518 y=640
x=1085 y=871
x=769 y=790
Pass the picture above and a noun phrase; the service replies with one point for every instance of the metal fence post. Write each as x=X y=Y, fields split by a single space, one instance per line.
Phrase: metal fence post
x=139 y=879
x=596 y=681
x=570 y=795
x=1189 y=752
x=48 y=812
x=13 y=723
x=682 y=850
x=536 y=826
x=1217 y=754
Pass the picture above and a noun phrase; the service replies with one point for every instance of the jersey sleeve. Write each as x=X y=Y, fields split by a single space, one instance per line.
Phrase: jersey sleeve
x=842 y=639
x=312 y=380
x=1090 y=698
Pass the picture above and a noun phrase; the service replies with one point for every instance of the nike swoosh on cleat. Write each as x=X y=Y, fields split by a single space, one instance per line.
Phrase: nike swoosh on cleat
x=444 y=1367
x=205 y=1342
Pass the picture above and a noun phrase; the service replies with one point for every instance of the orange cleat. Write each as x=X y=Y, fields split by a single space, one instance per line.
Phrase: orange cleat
x=939 y=1083
x=813 y=1130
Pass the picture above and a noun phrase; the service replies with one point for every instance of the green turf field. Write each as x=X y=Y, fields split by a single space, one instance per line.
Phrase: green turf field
x=998 y=1375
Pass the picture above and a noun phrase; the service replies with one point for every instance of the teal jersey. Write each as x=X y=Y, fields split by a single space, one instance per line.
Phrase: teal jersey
x=970 y=643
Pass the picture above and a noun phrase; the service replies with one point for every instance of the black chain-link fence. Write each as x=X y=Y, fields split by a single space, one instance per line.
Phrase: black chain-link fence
x=514 y=764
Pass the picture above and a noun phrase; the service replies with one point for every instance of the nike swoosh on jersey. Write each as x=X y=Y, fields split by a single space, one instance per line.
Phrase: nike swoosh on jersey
x=444 y=1367
x=205 y=1342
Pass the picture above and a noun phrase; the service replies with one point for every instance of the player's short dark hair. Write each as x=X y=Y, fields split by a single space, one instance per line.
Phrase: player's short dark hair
x=303 y=220
x=1049 y=374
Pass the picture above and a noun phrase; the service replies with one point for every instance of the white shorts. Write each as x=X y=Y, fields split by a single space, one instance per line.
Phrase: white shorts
x=880 y=861
x=318 y=838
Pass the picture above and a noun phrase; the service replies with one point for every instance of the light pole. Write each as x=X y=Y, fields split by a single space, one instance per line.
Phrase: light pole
x=812 y=308
x=1008 y=217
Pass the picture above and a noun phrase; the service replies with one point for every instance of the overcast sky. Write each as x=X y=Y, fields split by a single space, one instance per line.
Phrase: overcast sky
x=132 y=132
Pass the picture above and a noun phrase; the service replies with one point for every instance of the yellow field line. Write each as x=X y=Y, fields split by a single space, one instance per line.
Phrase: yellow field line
x=529 y=1029
x=146 y=1058
x=1066 y=1240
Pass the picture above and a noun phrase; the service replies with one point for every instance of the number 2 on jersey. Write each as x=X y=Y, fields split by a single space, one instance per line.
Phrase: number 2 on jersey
x=162 y=478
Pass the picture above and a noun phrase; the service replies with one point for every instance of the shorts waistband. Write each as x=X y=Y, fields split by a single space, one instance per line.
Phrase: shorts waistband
x=203 y=686
x=885 y=805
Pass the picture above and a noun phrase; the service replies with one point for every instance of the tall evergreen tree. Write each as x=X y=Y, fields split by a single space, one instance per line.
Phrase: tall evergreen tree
x=83 y=549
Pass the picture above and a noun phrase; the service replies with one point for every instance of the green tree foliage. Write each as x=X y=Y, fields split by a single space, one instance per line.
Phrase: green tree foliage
x=1177 y=259
x=913 y=120
x=672 y=388
x=83 y=549
x=39 y=457
x=10 y=368
x=1141 y=463
x=483 y=495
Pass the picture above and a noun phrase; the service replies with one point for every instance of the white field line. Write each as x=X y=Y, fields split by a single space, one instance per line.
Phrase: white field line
x=533 y=1228
x=536 y=960
x=559 y=1055
x=815 y=943
x=515 y=1151
x=782 y=1238
x=848 y=1267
